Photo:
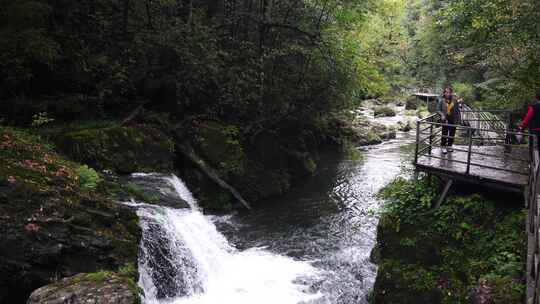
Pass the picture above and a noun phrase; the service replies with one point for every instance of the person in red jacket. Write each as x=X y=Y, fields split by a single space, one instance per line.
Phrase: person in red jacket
x=532 y=119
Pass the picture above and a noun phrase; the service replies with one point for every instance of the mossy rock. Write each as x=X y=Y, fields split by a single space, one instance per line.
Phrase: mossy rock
x=412 y=103
x=405 y=244
x=100 y=287
x=121 y=149
x=384 y=132
x=51 y=228
x=396 y=283
x=384 y=112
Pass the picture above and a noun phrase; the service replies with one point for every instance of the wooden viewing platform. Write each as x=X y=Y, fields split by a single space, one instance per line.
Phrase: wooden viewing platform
x=490 y=165
x=485 y=153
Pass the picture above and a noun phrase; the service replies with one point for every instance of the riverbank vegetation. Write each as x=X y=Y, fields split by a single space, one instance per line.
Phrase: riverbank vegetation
x=470 y=250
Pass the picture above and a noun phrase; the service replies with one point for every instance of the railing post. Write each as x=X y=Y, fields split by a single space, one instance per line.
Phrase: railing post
x=469 y=153
x=417 y=142
x=508 y=139
x=430 y=138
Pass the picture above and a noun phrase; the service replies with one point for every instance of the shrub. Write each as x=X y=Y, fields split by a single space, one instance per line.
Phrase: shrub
x=465 y=247
x=465 y=91
x=89 y=178
x=40 y=119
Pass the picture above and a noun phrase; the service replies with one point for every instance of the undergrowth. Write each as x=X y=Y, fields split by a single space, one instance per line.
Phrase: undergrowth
x=469 y=248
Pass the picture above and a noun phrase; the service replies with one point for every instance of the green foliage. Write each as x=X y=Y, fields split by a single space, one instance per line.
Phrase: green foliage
x=465 y=91
x=467 y=243
x=89 y=178
x=100 y=276
x=491 y=44
x=41 y=119
x=128 y=271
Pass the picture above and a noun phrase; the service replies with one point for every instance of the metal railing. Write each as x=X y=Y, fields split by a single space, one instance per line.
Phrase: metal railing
x=533 y=229
x=472 y=141
x=489 y=124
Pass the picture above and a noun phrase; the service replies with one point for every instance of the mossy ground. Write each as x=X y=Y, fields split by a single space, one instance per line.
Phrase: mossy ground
x=468 y=249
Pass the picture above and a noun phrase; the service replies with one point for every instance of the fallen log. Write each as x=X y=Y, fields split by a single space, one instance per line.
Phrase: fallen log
x=133 y=114
x=188 y=152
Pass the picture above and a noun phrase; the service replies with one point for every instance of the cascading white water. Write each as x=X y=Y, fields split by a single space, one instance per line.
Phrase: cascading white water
x=184 y=259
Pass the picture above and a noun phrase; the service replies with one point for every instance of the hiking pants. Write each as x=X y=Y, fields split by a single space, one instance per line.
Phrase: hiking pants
x=448 y=133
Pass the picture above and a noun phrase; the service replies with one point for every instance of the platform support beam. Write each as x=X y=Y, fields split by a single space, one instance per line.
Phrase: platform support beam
x=447 y=186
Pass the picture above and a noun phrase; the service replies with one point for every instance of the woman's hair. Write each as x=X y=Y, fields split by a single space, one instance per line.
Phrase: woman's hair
x=448 y=88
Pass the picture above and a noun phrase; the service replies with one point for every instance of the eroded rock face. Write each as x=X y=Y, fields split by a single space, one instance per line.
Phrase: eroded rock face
x=84 y=289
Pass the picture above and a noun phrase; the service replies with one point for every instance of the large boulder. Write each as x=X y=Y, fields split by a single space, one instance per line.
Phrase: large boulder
x=97 y=288
x=365 y=133
x=121 y=149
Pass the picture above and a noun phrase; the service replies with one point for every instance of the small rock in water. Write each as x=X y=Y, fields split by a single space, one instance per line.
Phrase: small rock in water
x=404 y=127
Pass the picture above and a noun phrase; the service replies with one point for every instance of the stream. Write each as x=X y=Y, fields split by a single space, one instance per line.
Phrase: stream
x=312 y=245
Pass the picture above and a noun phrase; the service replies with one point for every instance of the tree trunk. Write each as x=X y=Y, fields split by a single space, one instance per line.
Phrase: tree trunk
x=188 y=152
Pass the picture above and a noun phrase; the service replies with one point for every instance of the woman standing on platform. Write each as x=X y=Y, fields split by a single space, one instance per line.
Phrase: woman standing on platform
x=449 y=109
x=532 y=119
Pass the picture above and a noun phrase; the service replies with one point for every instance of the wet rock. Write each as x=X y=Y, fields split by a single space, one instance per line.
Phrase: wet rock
x=375 y=254
x=150 y=189
x=86 y=288
x=412 y=103
x=404 y=127
x=366 y=133
x=384 y=132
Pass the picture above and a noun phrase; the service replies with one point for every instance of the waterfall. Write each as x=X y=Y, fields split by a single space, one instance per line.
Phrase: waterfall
x=185 y=259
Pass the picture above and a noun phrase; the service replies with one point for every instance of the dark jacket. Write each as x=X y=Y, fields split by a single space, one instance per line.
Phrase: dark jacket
x=455 y=114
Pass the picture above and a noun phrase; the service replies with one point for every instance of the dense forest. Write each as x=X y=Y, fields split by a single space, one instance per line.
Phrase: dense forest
x=237 y=97
x=261 y=62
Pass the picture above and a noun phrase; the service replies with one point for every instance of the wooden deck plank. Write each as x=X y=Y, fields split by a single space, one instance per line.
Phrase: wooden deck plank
x=455 y=163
